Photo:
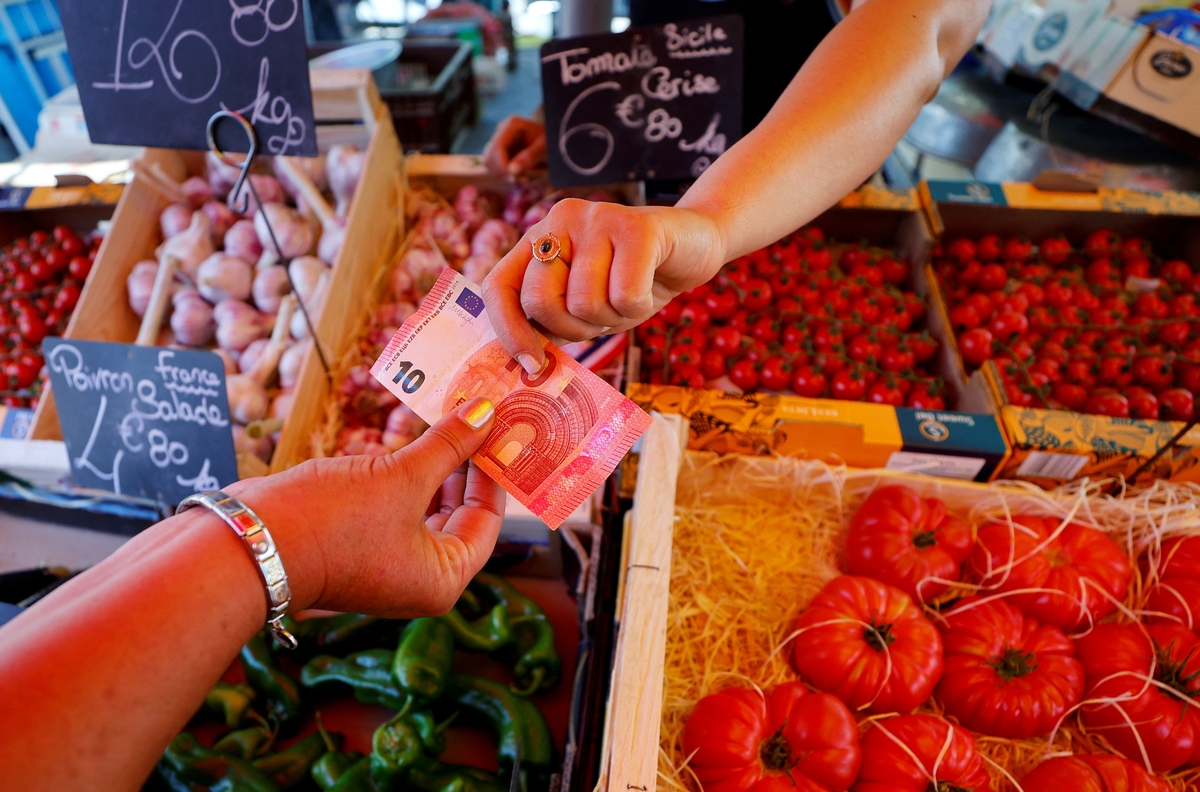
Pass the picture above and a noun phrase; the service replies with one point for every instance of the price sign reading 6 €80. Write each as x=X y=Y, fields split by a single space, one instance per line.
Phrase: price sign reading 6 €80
x=152 y=72
x=657 y=102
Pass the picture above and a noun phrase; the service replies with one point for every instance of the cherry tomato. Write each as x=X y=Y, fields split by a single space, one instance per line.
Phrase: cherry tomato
x=1017 y=249
x=864 y=348
x=776 y=373
x=1177 y=404
x=989 y=248
x=721 y=303
x=684 y=355
x=1102 y=242
x=1176 y=271
x=992 y=278
x=39 y=238
x=695 y=314
x=1142 y=403
x=654 y=351
x=72 y=246
x=848 y=385
x=744 y=375
x=80 y=266
x=926 y=395
x=1108 y=403
x=712 y=363
x=726 y=340
x=962 y=250
x=1153 y=371
x=1070 y=395
x=975 y=346
x=1055 y=250
x=809 y=382
x=884 y=392
x=1008 y=324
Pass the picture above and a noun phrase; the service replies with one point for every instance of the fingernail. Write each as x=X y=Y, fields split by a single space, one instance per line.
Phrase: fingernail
x=530 y=364
x=479 y=413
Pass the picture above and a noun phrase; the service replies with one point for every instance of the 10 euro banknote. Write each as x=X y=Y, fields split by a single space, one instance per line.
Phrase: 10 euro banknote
x=557 y=435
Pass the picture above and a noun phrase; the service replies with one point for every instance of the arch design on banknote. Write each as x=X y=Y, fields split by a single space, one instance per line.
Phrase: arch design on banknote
x=535 y=432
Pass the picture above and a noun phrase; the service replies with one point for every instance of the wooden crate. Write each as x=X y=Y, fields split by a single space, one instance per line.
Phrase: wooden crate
x=103 y=313
x=631 y=756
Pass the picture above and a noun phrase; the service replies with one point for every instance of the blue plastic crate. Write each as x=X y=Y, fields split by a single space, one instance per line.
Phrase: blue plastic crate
x=33 y=62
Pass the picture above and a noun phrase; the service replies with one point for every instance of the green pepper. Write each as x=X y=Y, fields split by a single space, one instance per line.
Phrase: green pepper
x=429 y=775
x=537 y=665
x=356 y=778
x=432 y=733
x=514 y=727
x=368 y=673
x=187 y=766
x=333 y=763
x=486 y=634
x=280 y=690
x=422 y=661
x=290 y=767
x=394 y=748
x=230 y=701
x=247 y=743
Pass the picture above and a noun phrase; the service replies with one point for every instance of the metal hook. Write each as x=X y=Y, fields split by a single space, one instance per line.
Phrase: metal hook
x=236 y=192
x=243 y=166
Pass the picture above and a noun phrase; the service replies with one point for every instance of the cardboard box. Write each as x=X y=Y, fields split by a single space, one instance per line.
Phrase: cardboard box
x=1049 y=447
x=1162 y=80
x=933 y=442
x=1096 y=56
x=1052 y=38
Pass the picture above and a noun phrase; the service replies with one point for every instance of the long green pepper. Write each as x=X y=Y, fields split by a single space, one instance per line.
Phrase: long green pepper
x=537 y=665
x=280 y=690
x=422 y=661
x=231 y=702
x=485 y=634
x=188 y=766
x=290 y=767
x=513 y=726
x=333 y=763
x=429 y=775
x=394 y=748
x=368 y=673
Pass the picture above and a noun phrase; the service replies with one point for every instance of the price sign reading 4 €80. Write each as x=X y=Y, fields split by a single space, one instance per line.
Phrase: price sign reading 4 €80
x=657 y=102
x=152 y=72
x=142 y=421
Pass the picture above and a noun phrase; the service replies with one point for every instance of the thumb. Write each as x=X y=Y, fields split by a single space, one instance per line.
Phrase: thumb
x=447 y=444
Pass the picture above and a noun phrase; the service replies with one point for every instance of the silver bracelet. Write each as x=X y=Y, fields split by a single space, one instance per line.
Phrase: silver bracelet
x=247 y=525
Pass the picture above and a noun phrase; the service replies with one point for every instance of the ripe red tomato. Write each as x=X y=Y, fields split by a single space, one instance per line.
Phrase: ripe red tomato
x=1008 y=324
x=965 y=317
x=654 y=351
x=868 y=644
x=1175 y=271
x=895 y=270
x=1177 y=404
x=19 y=374
x=975 y=346
x=907 y=541
x=756 y=294
x=1151 y=306
x=79 y=267
x=679 y=355
x=1119 y=660
x=1102 y=242
x=992 y=277
x=848 y=385
x=809 y=382
x=1091 y=773
x=1073 y=568
x=1172 y=574
x=1006 y=675
x=696 y=315
x=1017 y=249
x=923 y=347
x=741 y=741
x=726 y=340
x=669 y=313
x=885 y=392
x=989 y=248
x=712 y=364
x=926 y=395
x=1108 y=403
x=962 y=250
x=721 y=303
x=864 y=348
x=941 y=751
x=1153 y=371
x=1142 y=403
x=1055 y=250
x=744 y=374
x=776 y=373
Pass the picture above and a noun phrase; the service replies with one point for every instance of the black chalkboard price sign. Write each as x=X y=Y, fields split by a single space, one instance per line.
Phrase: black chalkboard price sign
x=657 y=102
x=142 y=421
x=152 y=72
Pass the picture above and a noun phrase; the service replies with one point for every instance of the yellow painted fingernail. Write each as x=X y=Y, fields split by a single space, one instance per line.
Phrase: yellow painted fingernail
x=479 y=413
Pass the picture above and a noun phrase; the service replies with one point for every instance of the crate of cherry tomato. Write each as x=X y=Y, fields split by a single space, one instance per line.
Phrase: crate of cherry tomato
x=817 y=345
x=790 y=625
x=1080 y=329
x=46 y=257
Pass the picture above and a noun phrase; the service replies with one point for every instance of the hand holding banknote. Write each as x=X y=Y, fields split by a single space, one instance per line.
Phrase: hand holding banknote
x=558 y=433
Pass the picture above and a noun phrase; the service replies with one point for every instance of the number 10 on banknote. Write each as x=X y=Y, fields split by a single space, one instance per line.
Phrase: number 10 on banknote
x=557 y=435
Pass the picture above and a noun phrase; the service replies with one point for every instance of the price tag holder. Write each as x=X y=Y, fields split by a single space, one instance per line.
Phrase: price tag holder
x=658 y=102
x=152 y=72
x=147 y=422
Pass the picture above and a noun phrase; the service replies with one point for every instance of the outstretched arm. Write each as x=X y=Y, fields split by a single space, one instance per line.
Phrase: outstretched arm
x=830 y=130
x=99 y=676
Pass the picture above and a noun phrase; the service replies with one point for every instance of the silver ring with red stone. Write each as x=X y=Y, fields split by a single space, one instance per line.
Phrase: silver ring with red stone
x=546 y=249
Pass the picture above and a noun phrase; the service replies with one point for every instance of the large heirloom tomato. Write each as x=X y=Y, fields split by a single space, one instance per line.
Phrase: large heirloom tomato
x=907 y=541
x=1117 y=661
x=1081 y=569
x=1091 y=773
x=952 y=767
x=1005 y=674
x=1174 y=595
x=793 y=739
x=868 y=644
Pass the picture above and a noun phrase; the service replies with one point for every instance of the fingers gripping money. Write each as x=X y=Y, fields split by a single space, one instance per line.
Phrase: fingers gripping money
x=557 y=434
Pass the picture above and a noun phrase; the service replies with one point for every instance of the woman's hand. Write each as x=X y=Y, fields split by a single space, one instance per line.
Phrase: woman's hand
x=399 y=535
x=625 y=263
x=518 y=145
